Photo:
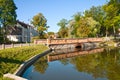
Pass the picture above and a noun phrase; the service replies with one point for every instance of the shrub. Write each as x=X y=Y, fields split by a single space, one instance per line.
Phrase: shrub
x=34 y=38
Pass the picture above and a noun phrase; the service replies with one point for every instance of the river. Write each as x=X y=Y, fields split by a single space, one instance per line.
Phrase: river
x=76 y=64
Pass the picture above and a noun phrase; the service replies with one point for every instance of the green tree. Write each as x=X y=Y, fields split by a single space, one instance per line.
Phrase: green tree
x=112 y=9
x=71 y=30
x=116 y=21
x=75 y=23
x=94 y=27
x=40 y=22
x=87 y=27
x=98 y=14
x=51 y=34
x=83 y=29
x=7 y=15
x=84 y=26
x=63 y=31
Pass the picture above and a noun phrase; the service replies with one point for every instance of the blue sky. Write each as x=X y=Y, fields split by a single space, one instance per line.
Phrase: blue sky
x=53 y=10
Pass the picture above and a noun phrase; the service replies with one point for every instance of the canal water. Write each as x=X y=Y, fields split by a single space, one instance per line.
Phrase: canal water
x=75 y=64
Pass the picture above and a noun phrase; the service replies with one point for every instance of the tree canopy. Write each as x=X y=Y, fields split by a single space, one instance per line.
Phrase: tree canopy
x=97 y=21
x=40 y=22
x=63 y=31
x=7 y=15
x=7 y=12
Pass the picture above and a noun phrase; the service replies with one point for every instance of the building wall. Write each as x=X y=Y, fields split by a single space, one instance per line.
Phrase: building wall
x=27 y=33
x=15 y=38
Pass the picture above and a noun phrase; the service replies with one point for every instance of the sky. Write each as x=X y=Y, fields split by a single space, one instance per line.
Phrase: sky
x=53 y=10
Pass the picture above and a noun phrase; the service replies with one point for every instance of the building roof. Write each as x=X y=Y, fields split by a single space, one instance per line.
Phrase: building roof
x=24 y=24
x=15 y=30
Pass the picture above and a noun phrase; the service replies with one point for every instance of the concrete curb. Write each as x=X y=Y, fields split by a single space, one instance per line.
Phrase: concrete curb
x=29 y=62
x=12 y=76
x=24 y=66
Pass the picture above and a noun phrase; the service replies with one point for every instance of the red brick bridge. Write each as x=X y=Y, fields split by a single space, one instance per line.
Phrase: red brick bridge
x=65 y=43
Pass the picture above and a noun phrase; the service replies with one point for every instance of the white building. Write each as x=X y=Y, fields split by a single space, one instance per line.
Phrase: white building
x=21 y=32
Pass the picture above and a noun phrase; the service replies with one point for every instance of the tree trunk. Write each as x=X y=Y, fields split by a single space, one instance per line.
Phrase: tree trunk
x=114 y=32
x=4 y=33
x=106 y=32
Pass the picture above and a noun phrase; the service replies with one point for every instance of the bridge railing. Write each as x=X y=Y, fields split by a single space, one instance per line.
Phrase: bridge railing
x=67 y=41
x=40 y=41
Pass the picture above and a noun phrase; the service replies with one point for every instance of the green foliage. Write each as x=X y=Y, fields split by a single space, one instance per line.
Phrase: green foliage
x=112 y=9
x=10 y=59
x=7 y=12
x=97 y=21
x=82 y=26
x=77 y=16
x=98 y=14
x=63 y=31
x=35 y=38
x=62 y=23
x=87 y=27
x=76 y=24
x=7 y=15
x=83 y=29
x=40 y=22
x=51 y=34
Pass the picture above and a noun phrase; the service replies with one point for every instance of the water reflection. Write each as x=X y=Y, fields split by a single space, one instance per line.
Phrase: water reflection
x=68 y=53
x=73 y=64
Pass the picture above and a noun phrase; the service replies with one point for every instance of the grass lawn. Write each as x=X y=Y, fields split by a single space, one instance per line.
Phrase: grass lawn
x=12 y=58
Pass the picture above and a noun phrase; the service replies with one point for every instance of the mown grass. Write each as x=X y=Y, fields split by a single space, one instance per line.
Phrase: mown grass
x=10 y=59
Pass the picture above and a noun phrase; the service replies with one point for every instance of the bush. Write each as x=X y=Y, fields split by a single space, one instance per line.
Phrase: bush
x=34 y=38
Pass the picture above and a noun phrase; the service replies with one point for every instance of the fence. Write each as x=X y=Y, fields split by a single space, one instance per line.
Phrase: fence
x=4 y=46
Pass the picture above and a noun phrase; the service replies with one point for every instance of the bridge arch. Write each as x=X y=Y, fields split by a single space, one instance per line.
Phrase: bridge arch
x=78 y=45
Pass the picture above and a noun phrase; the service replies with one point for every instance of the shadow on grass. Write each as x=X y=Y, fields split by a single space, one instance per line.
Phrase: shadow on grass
x=6 y=60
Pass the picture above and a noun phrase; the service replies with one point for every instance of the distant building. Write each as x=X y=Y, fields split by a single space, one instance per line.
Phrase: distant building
x=21 y=32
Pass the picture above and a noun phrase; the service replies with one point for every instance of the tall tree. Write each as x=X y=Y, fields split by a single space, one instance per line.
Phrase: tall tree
x=76 y=23
x=84 y=26
x=98 y=14
x=7 y=14
x=112 y=9
x=87 y=27
x=40 y=22
x=71 y=29
x=63 y=31
x=51 y=34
